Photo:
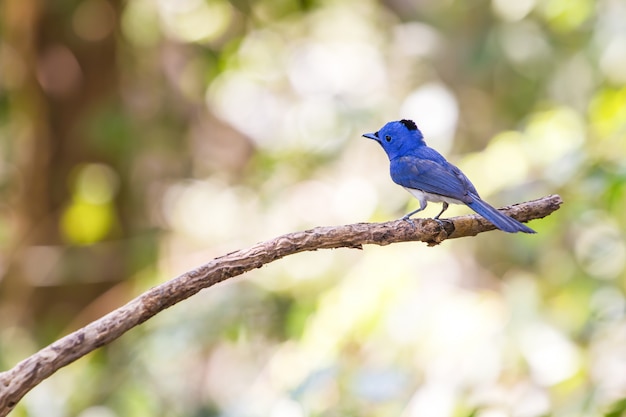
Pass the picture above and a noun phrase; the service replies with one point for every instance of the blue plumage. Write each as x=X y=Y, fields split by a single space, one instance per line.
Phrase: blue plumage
x=427 y=175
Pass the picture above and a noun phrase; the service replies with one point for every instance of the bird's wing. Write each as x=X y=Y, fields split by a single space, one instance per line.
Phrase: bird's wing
x=433 y=177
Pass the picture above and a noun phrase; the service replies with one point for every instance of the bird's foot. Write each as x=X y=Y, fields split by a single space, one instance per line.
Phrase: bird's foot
x=439 y=221
x=436 y=218
x=409 y=221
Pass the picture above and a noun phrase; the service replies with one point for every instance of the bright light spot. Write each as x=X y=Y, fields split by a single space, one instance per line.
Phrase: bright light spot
x=229 y=372
x=434 y=319
x=608 y=303
x=552 y=134
x=296 y=270
x=261 y=55
x=521 y=294
x=518 y=398
x=432 y=400
x=98 y=411
x=613 y=60
x=96 y=183
x=85 y=223
x=140 y=22
x=286 y=407
x=309 y=201
x=512 y=10
x=608 y=117
x=91 y=215
x=249 y=106
x=552 y=358
x=354 y=199
x=405 y=35
x=345 y=69
x=194 y=20
x=535 y=403
x=178 y=6
x=314 y=125
x=460 y=319
x=379 y=385
x=601 y=250
x=525 y=45
x=566 y=15
x=46 y=401
x=205 y=211
x=347 y=311
x=327 y=76
x=500 y=165
x=354 y=305
x=532 y=401
x=435 y=110
x=492 y=412
x=608 y=361
x=574 y=81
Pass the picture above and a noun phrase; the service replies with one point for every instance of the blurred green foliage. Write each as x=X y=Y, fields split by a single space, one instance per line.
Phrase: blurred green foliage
x=139 y=139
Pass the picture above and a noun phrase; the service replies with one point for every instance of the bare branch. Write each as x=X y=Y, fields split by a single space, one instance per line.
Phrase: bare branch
x=27 y=374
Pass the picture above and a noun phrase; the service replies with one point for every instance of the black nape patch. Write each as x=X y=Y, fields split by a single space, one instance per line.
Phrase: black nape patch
x=409 y=124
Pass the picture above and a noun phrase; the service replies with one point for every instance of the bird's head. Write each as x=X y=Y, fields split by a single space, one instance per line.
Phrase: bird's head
x=398 y=138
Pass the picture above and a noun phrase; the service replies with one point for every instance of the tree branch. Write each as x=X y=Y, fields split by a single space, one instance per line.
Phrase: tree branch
x=27 y=374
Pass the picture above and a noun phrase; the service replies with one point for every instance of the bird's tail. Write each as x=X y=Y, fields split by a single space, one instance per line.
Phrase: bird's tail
x=499 y=219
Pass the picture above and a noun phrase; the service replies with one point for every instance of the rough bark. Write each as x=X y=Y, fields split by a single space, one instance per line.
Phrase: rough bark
x=16 y=382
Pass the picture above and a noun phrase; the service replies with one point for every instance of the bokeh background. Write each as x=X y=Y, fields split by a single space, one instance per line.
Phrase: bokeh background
x=141 y=138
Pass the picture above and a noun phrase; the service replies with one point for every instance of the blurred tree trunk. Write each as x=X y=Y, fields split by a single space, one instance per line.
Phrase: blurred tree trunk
x=67 y=52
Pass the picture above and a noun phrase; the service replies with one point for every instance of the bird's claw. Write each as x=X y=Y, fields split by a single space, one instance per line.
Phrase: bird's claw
x=440 y=222
x=409 y=221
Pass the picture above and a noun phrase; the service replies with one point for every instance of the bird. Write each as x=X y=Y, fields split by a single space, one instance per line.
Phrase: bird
x=428 y=176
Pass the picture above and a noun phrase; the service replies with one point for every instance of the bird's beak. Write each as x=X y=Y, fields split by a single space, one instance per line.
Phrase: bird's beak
x=371 y=136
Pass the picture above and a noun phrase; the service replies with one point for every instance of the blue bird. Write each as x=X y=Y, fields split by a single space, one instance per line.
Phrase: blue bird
x=426 y=174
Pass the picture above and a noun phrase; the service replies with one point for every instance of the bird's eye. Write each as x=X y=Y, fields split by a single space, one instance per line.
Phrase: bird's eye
x=388 y=138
